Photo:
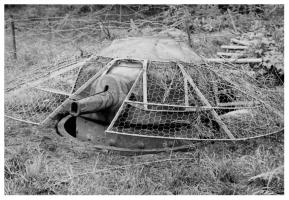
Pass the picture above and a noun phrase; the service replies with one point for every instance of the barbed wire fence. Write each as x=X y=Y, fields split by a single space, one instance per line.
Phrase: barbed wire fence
x=73 y=30
x=36 y=43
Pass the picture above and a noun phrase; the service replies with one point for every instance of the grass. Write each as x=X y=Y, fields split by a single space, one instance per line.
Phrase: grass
x=38 y=161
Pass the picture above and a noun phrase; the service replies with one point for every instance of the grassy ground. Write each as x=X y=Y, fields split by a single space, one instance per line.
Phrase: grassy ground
x=38 y=161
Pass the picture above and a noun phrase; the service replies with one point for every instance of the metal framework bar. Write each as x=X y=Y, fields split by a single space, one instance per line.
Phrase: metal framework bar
x=145 y=85
x=125 y=100
x=68 y=100
x=199 y=139
x=189 y=108
x=186 y=91
x=239 y=103
x=51 y=75
x=22 y=120
x=74 y=82
x=138 y=105
x=167 y=92
x=52 y=91
x=206 y=102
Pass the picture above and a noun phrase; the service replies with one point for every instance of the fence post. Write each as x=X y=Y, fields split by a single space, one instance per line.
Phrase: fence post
x=120 y=13
x=13 y=37
x=187 y=28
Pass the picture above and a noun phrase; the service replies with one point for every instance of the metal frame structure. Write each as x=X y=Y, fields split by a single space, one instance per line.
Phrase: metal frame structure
x=146 y=106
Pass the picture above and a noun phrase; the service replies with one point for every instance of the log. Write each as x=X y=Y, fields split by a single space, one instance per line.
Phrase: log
x=232 y=60
x=236 y=47
x=245 y=43
x=206 y=102
x=229 y=54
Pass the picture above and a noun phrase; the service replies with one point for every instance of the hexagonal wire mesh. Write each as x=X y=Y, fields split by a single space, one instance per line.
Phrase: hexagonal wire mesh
x=177 y=101
x=36 y=72
x=191 y=103
x=34 y=102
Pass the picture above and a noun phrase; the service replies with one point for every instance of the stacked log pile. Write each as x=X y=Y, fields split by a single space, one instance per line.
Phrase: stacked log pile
x=236 y=52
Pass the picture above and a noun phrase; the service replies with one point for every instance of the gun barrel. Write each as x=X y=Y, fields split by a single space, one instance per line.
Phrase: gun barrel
x=91 y=104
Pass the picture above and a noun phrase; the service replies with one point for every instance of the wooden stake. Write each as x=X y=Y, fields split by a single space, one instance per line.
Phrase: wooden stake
x=207 y=103
x=189 y=34
x=13 y=38
x=120 y=13
x=186 y=21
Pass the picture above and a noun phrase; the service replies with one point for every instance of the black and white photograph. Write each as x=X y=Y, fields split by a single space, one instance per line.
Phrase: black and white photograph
x=143 y=99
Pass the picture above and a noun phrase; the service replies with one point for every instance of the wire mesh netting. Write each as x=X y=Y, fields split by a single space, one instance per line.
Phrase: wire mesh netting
x=193 y=104
x=243 y=81
x=35 y=101
x=165 y=84
x=168 y=100
x=36 y=72
x=32 y=105
x=89 y=70
x=62 y=83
